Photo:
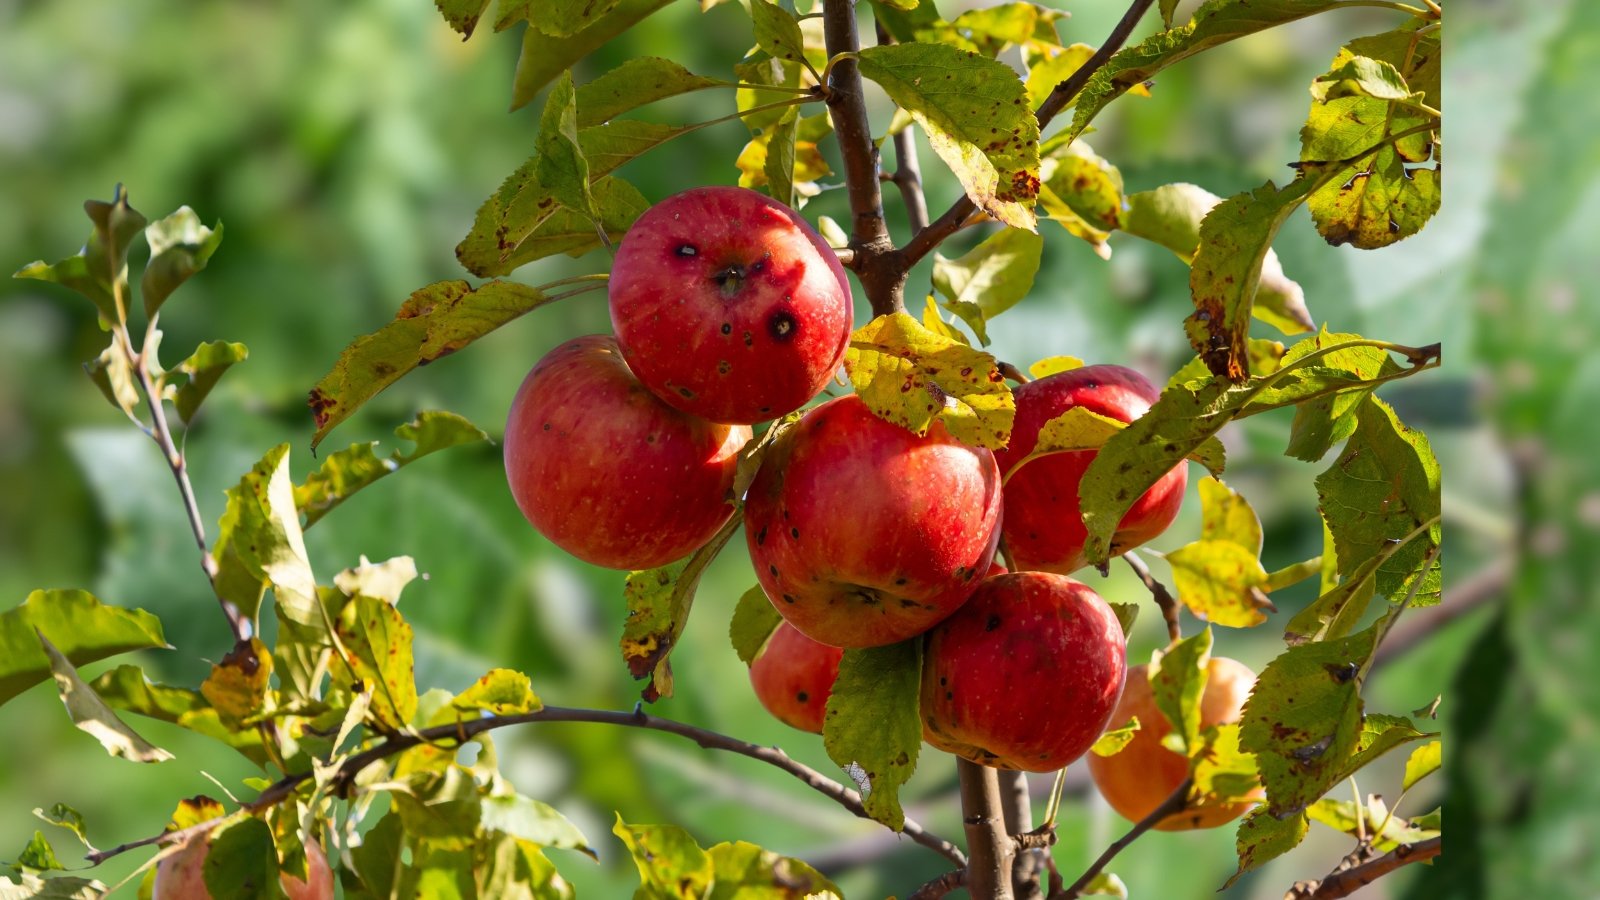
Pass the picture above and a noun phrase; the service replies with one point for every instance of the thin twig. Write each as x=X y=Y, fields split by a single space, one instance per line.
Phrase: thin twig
x=1163 y=597
x=1175 y=803
x=940 y=886
x=992 y=851
x=923 y=242
x=462 y=732
x=1344 y=882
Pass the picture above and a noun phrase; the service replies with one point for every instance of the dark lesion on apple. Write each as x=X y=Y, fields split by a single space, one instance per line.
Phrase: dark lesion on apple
x=782 y=325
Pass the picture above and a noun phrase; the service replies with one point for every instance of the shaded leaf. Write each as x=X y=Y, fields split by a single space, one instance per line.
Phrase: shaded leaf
x=560 y=166
x=635 y=83
x=66 y=817
x=504 y=692
x=78 y=624
x=462 y=15
x=38 y=856
x=990 y=278
x=545 y=56
x=777 y=31
x=204 y=367
x=1293 y=573
x=433 y=322
x=1266 y=357
x=530 y=820
x=744 y=871
x=243 y=861
x=671 y=865
x=658 y=602
x=766 y=71
x=179 y=247
x=561 y=18
x=112 y=374
x=1263 y=837
x=349 y=470
x=1111 y=741
x=92 y=716
x=975 y=113
x=753 y=622
x=910 y=376
x=237 y=686
x=1127 y=614
x=126 y=688
x=377 y=656
x=872 y=726
x=1222 y=771
x=99 y=271
x=1178 y=678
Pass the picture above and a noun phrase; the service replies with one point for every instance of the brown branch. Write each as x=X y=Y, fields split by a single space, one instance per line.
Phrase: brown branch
x=908 y=170
x=1016 y=807
x=1163 y=597
x=1175 y=802
x=462 y=732
x=990 y=848
x=874 y=260
x=1345 y=881
x=940 y=886
x=954 y=218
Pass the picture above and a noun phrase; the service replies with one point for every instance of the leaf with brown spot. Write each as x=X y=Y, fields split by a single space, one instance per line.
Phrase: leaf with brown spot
x=658 y=602
x=1263 y=837
x=377 y=654
x=873 y=723
x=503 y=692
x=671 y=865
x=237 y=686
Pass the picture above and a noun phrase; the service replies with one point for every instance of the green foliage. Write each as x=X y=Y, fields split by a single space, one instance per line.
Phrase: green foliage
x=243 y=862
x=990 y=278
x=873 y=727
x=671 y=865
x=753 y=622
x=1264 y=837
x=1081 y=191
x=203 y=369
x=180 y=247
x=747 y=872
x=126 y=688
x=1220 y=577
x=658 y=602
x=93 y=716
x=100 y=271
x=81 y=627
x=1111 y=742
x=633 y=84
x=1178 y=677
x=1222 y=771
x=349 y=470
x=545 y=55
x=62 y=815
x=911 y=376
x=503 y=692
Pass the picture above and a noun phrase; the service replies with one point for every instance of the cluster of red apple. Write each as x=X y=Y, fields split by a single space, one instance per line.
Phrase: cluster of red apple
x=730 y=310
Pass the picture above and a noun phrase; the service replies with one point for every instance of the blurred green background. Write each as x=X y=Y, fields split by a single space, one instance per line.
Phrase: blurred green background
x=346 y=147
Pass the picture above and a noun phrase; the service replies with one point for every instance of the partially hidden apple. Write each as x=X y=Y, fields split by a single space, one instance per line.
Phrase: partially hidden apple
x=1143 y=773
x=793 y=676
x=181 y=876
x=864 y=534
x=1025 y=675
x=1044 y=523
x=605 y=470
x=728 y=305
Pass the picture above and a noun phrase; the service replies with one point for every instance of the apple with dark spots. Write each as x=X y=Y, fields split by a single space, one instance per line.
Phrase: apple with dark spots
x=1025 y=675
x=1139 y=777
x=1043 y=526
x=181 y=876
x=864 y=534
x=728 y=305
x=793 y=676
x=605 y=470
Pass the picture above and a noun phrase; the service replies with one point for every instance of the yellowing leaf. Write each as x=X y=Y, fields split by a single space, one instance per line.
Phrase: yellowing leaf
x=1422 y=762
x=744 y=871
x=377 y=659
x=658 y=602
x=91 y=714
x=1111 y=742
x=911 y=376
x=1225 y=515
x=237 y=686
x=1050 y=365
x=382 y=581
x=1218 y=581
x=990 y=278
x=671 y=865
x=504 y=692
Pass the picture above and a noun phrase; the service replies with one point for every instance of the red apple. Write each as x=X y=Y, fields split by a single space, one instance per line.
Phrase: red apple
x=1043 y=525
x=1136 y=779
x=793 y=676
x=865 y=534
x=728 y=305
x=181 y=876
x=607 y=471
x=1025 y=675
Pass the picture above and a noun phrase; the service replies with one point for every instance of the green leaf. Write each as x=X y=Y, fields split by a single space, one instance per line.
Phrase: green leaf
x=243 y=862
x=744 y=871
x=179 y=247
x=126 y=688
x=38 y=856
x=112 y=374
x=975 y=113
x=778 y=158
x=504 y=692
x=237 y=686
x=777 y=31
x=349 y=470
x=1111 y=742
x=377 y=858
x=530 y=820
x=66 y=817
x=433 y=322
x=462 y=15
x=767 y=71
x=83 y=628
x=561 y=167
x=561 y=18
x=1127 y=614
x=1171 y=215
x=1106 y=884
x=522 y=221
x=1266 y=357
x=990 y=278
x=1081 y=191
x=1422 y=762
x=1050 y=66
x=1360 y=76
x=636 y=83
x=442 y=805
x=671 y=865
x=32 y=887
x=1263 y=837
x=1303 y=719
x=92 y=716
x=1341 y=607
x=1215 y=22
x=1293 y=573
x=872 y=726
x=1222 y=771
x=658 y=602
x=204 y=367
x=1235 y=238
x=1379 y=735
x=377 y=646
x=1178 y=677
x=100 y=271
x=1220 y=581
x=1383 y=488
x=1168 y=8
x=1372 y=822
x=910 y=376
x=753 y=622
x=545 y=56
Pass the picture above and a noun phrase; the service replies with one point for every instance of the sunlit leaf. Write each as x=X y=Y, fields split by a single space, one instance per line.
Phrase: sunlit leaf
x=38 y=856
x=658 y=602
x=1225 y=515
x=462 y=15
x=744 y=871
x=377 y=645
x=347 y=471
x=1263 y=837
x=114 y=376
x=32 y=887
x=1360 y=76
x=1050 y=365
x=530 y=820
x=1106 y=884
x=671 y=865
x=179 y=247
x=766 y=71
x=66 y=817
x=78 y=624
x=433 y=322
x=522 y=221
x=990 y=278
x=561 y=168
x=204 y=367
x=872 y=726
x=1112 y=740
x=545 y=56
x=383 y=581
x=635 y=83
x=1219 y=581
x=975 y=113
x=1422 y=762
x=504 y=692
x=1050 y=67
x=126 y=688
x=911 y=376
x=777 y=31
x=237 y=685
x=1222 y=771
x=753 y=622
x=1178 y=677
x=1379 y=735
x=1081 y=191
x=93 y=716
